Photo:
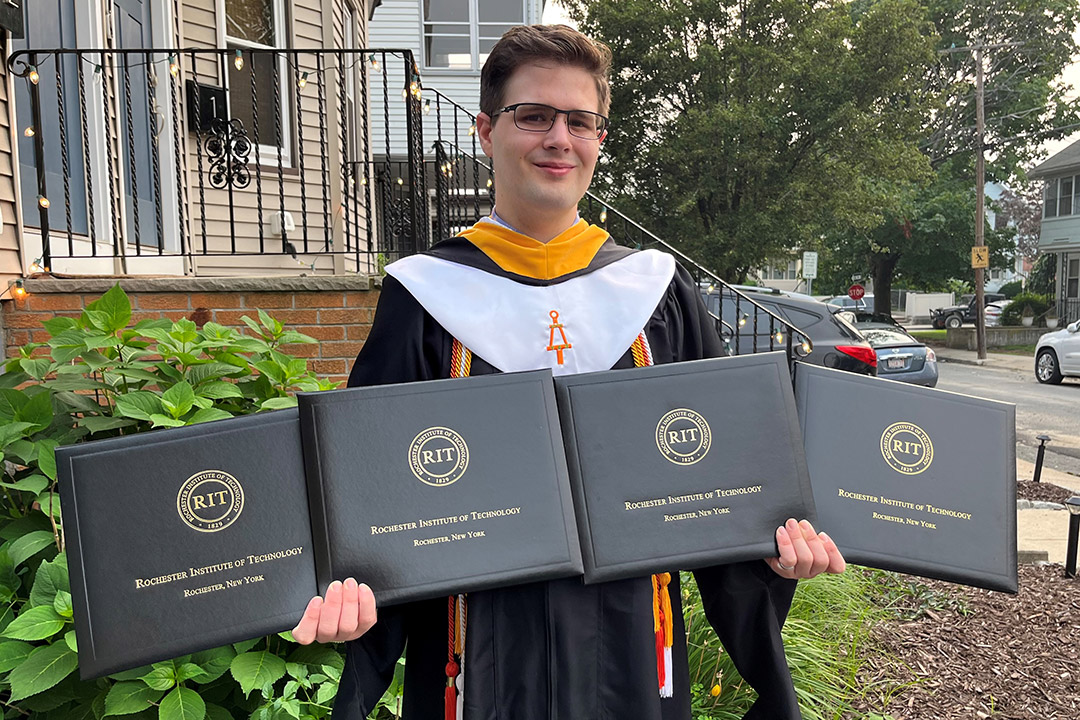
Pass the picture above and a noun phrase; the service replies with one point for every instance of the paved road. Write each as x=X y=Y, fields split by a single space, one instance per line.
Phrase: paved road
x=1053 y=410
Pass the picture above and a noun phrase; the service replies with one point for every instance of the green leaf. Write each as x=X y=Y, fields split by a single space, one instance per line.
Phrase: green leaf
x=96 y=342
x=317 y=655
x=132 y=674
x=165 y=421
x=216 y=712
x=190 y=671
x=132 y=373
x=37 y=623
x=143 y=325
x=72 y=641
x=31 y=483
x=77 y=402
x=37 y=410
x=182 y=704
x=253 y=670
x=244 y=645
x=208 y=415
x=178 y=399
x=96 y=424
x=51 y=578
x=62 y=604
x=74 y=383
x=209 y=371
x=292 y=337
x=11 y=401
x=115 y=307
x=13 y=431
x=57 y=325
x=214 y=663
x=36 y=368
x=252 y=324
x=129 y=697
x=140 y=404
x=279 y=403
x=219 y=389
x=47 y=457
x=29 y=544
x=45 y=667
x=49 y=502
x=162 y=677
x=13 y=653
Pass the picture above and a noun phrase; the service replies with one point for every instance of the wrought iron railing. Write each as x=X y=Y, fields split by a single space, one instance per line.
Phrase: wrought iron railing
x=211 y=152
x=464 y=192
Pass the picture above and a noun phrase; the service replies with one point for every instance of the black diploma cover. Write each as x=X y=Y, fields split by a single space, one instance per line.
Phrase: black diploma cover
x=430 y=488
x=912 y=479
x=185 y=539
x=683 y=465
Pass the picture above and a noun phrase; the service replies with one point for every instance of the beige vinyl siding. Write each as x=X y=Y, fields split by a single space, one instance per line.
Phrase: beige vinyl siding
x=10 y=261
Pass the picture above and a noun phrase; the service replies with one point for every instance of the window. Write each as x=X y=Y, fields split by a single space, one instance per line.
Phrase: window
x=1072 y=279
x=1065 y=196
x=459 y=34
x=253 y=25
x=1050 y=199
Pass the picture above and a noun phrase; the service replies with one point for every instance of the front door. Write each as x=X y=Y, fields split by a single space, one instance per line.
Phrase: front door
x=138 y=121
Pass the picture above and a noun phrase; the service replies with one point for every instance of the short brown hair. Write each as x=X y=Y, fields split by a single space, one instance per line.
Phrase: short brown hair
x=523 y=44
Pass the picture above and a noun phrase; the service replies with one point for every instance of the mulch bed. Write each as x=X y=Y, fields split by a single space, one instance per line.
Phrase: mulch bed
x=970 y=653
x=1047 y=492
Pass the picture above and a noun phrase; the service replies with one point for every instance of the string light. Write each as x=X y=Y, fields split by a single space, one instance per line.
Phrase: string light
x=427 y=106
x=174 y=66
x=239 y=61
x=742 y=319
x=806 y=347
x=29 y=131
x=302 y=82
x=43 y=201
x=35 y=267
x=34 y=76
x=400 y=181
x=489 y=183
x=779 y=336
x=363 y=180
x=18 y=290
x=603 y=216
x=374 y=62
x=414 y=88
x=404 y=94
x=472 y=129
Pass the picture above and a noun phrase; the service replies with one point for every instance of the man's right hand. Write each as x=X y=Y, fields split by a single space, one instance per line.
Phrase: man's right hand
x=347 y=612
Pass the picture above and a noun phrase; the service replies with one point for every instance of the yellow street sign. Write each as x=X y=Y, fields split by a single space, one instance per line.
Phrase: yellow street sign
x=980 y=256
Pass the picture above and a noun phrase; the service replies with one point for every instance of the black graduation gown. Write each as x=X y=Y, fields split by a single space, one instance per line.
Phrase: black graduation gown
x=560 y=649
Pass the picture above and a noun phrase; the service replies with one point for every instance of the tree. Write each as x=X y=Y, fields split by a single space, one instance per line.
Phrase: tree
x=1022 y=209
x=742 y=130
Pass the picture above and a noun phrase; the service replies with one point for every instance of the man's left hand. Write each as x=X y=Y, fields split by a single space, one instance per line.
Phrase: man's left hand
x=804 y=553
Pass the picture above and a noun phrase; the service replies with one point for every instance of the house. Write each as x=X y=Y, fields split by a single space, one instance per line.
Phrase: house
x=1060 y=235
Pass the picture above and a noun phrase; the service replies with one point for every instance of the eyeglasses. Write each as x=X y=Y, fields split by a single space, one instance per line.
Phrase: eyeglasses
x=535 y=117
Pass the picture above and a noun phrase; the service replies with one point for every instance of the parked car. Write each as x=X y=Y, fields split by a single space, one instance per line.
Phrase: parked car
x=955 y=316
x=1057 y=355
x=993 y=312
x=899 y=355
x=843 y=302
x=836 y=342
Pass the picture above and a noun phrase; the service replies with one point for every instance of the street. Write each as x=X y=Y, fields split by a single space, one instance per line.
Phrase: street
x=1052 y=410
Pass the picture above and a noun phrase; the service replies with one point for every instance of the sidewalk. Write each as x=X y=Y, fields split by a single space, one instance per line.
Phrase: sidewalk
x=1002 y=361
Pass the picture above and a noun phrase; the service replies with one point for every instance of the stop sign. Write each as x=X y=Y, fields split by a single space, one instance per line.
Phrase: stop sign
x=856 y=291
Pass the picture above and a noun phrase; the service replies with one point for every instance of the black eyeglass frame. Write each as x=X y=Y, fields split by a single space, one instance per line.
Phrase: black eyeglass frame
x=605 y=123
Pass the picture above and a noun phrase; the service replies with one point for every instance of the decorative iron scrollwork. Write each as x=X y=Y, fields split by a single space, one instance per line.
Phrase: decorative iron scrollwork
x=228 y=148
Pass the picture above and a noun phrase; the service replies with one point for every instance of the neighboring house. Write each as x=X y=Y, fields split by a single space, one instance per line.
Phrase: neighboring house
x=451 y=40
x=135 y=184
x=1060 y=235
x=1020 y=266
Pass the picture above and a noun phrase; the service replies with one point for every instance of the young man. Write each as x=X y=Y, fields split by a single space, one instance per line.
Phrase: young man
x=485 y=302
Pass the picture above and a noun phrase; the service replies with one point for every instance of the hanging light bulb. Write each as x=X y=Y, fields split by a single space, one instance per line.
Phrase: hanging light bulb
x=29 y=131
x=18 y=291
x=472 y=129
x=806 y=347
x=43 y=201
x=363 y=180
x=374 y=62
x=742 y=320
x=414 y=88
x=427 y=106
x=779 y=336
x=35 y=267
x=174 y=66
x=239 y=61
x=302 y=82
x=404 y=94
x=603 y=216
x=489 y=182
x=400 y=181
x=34 y=76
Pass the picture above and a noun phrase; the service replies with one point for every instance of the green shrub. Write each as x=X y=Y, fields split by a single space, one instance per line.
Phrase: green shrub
x=1011 y=289
x=1043 y=273
x=95 y=378
x=1014 y=310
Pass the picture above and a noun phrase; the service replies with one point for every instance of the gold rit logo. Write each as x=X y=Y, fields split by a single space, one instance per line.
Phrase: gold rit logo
x=561 y=346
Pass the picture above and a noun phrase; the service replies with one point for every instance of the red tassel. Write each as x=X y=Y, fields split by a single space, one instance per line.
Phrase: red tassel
x=450 y=712
x=660 y=674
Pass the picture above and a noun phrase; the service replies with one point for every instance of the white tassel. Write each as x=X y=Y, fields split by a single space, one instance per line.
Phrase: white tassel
x=668 y=689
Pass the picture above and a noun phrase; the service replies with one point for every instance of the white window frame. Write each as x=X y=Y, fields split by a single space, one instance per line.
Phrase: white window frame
x=1050 y=192
x=473 y=27
x=267 y=154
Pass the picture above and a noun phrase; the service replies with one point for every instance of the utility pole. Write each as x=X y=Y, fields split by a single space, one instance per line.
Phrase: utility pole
x=980 y=183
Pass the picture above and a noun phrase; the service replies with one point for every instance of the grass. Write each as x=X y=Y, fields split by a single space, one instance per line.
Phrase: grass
x=1026 y=350
x=827 y=638
x=930 y=337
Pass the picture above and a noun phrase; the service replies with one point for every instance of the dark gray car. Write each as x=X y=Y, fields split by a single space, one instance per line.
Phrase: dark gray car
x=900 y=356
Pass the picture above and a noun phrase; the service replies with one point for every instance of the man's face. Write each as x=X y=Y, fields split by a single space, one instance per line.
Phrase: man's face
x=541 y=172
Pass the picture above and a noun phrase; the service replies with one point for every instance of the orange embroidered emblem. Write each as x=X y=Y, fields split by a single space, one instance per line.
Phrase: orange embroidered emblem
x=560 y=347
